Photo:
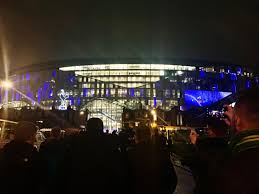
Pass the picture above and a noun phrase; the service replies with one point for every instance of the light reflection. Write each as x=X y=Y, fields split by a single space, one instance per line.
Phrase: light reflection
x=30 y=99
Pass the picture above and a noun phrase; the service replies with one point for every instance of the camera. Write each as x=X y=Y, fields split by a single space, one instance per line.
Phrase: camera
x=218 y=113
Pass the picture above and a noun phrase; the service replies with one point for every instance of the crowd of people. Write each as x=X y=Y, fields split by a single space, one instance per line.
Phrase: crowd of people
x=97 y=162
x=91 y=161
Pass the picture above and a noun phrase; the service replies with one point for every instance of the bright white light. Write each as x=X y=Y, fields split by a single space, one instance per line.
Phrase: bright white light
x=233 y=104
x=82 y=113
x=127 y=67
x=179 y=73
x=153 y=112
x=162 y=73
x=6 y=84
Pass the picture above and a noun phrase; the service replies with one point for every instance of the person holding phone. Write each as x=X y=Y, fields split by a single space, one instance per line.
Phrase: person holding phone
x=240 y=173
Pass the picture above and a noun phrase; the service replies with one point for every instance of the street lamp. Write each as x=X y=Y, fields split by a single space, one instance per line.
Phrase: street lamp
x=6 y=84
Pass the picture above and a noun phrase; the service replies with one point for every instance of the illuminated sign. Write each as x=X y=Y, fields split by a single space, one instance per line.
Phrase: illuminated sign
x=63 y=97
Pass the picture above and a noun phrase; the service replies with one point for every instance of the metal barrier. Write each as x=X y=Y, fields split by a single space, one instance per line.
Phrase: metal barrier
x=4 y=121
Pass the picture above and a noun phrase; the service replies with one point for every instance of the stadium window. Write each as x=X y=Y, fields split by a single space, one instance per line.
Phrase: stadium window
x=112 y=92
x=154 y=92
x=178 y=94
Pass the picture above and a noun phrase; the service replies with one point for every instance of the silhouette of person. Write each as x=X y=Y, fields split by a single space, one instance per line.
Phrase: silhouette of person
x=150 y=168
x=91 y=165
x=52 y=152
x=20 y=162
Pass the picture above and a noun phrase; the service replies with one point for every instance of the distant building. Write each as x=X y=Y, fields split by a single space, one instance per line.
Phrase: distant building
x=105 y=89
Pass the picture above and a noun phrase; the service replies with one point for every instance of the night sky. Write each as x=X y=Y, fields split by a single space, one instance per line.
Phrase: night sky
x=38 y=31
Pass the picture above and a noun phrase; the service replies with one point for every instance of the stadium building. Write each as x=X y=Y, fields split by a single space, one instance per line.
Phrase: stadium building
x=105 y=89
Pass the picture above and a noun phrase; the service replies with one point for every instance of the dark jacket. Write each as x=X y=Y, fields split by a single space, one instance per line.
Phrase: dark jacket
x=91 y=165
x=151 y=170
x=240 y=173
x=20 y=168
x=208 y=156
x=52 y=153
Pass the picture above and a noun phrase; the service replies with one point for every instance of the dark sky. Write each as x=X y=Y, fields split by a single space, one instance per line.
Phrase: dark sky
x=36 y=31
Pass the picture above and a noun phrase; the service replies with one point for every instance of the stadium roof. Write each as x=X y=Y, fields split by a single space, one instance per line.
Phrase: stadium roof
x=43 y=34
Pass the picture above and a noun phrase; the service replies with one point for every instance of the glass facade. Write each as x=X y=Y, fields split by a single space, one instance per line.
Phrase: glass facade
x=105 y=89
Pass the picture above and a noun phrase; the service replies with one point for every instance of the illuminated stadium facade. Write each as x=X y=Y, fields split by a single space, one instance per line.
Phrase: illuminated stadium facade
x=105 y=89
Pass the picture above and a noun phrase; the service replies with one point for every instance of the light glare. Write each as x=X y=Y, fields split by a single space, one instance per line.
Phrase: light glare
x=7 y=84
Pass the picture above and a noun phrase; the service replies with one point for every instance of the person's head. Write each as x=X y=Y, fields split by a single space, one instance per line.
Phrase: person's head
x=246 y=111
x=216 y=129
x=94 y=126
x=142 y=134
x=56 y=132
x=26 y=131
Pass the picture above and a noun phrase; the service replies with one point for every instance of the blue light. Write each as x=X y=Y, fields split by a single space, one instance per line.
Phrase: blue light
x=256 y=80
x=50 y=93
x=233 y=76
x=27 y=76
x=132 y=92
x=71 y=78
x=39 y=94
x=54 y=73
x=85 y=91
x=71 y=99
x=154 y=101
x=201 y=98
x=248 y=84
x=78 y=101
x=45 y=87
x=228 y=70
x=239 y=70
x=108 y=92
x=202 y=74
x=221 y=75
